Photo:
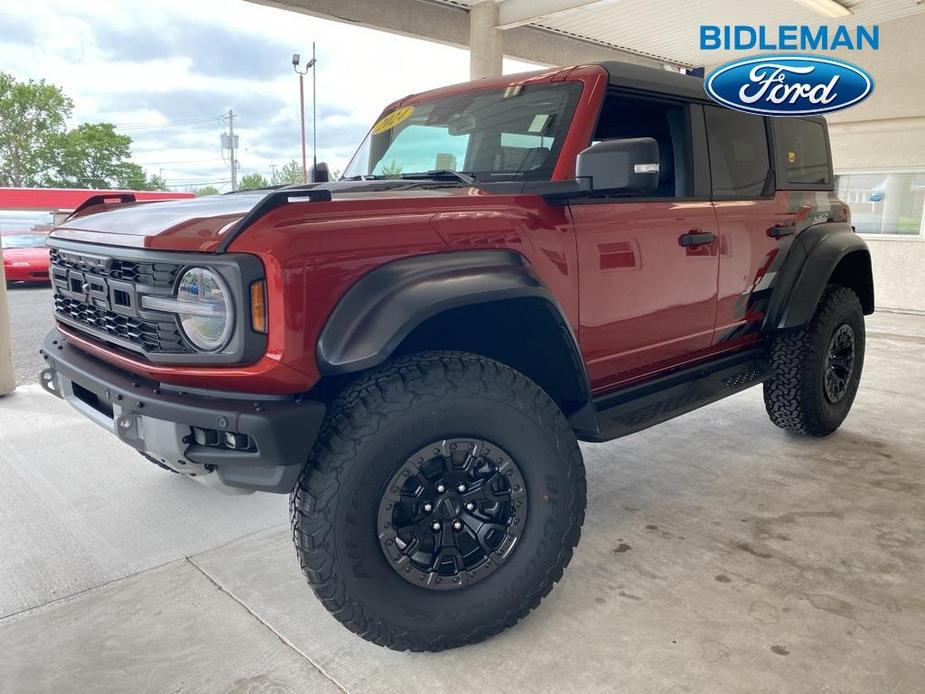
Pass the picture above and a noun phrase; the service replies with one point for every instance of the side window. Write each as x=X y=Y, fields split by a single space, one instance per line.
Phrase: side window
x=803 y=152
x=739 y=161
x=667 y=122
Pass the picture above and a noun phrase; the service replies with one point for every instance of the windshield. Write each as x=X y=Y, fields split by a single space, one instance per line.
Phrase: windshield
x=22 y=240
x=492 y=135
x=25 y=220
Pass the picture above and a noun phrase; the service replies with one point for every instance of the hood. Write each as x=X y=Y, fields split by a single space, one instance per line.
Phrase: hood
x=200 y=224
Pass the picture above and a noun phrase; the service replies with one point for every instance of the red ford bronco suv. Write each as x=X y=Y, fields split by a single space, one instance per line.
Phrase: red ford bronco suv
x=413 y=352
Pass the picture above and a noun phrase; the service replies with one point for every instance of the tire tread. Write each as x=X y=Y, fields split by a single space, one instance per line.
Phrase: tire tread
x=359 y=412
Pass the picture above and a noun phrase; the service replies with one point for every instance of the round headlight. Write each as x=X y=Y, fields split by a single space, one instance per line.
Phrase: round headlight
x=207 y=316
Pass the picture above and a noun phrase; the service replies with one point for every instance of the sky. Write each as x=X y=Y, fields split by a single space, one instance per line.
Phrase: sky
x=165 y=71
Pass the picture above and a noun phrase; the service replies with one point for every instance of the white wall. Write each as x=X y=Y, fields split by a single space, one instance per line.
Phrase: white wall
x=886 y=132
x=899 y=273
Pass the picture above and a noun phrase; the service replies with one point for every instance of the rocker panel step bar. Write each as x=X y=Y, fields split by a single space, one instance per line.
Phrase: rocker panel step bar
x=639 y=407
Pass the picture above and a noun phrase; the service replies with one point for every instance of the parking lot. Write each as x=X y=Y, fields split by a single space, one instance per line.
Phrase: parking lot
x=719 y=554
x=30 y=321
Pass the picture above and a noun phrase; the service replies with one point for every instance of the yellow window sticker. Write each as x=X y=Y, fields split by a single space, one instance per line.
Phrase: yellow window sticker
x=390 y=120
x=791 y=157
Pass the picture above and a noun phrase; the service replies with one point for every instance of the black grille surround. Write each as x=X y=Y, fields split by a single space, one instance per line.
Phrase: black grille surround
x=99 y=290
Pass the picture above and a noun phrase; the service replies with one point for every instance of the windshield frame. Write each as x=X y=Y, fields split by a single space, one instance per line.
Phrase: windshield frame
x=559 y=134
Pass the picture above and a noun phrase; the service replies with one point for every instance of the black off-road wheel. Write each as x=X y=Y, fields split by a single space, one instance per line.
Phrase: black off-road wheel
x=816 y=369
x=441 y=502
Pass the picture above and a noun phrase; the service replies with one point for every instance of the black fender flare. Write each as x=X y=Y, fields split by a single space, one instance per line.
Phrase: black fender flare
x=384 y=306
x=811 y=262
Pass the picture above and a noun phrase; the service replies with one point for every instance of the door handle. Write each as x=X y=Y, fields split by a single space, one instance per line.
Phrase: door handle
x=696 y=237
x=780 y=230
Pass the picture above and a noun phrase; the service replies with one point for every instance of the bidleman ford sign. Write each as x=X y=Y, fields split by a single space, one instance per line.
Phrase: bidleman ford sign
x=789 y=85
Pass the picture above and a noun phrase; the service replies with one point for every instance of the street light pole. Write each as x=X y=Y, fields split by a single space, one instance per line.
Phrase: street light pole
x=314 y=113
x=296 y=59
x=302 y=115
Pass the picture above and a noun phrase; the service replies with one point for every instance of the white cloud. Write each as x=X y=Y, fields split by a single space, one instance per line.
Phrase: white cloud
x=142 y=62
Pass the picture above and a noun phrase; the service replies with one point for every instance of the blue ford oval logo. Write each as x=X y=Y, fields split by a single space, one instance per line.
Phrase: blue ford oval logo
x=788 y=85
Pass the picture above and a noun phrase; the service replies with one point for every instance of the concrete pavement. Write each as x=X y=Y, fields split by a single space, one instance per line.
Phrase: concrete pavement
x=30 y=320
x=719 y=555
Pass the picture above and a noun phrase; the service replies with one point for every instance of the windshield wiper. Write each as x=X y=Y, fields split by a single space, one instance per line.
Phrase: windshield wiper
x=442 y=174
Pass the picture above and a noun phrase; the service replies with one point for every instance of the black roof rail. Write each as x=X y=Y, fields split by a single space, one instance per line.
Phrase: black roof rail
x=101 y=199
x=269 y=203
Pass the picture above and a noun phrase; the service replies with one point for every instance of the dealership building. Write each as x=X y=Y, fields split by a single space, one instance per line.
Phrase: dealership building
x=878 y=146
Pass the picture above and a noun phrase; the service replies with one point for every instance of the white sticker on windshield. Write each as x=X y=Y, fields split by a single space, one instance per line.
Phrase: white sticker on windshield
x=539 y=122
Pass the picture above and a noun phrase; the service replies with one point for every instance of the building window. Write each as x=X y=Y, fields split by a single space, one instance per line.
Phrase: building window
x=886 y=202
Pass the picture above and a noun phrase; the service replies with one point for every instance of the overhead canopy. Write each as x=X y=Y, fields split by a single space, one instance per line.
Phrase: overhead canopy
x=566 y=32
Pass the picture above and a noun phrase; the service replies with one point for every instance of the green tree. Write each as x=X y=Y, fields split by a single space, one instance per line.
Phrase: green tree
x=32 y=122
x=206 y=190
x=94 y=155
x=393 y=168
x=288 y=174
x=133 y=177
x=252 y=181
x=155 y=182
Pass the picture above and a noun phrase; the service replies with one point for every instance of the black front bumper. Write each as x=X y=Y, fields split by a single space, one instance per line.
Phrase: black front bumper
x=158 y=420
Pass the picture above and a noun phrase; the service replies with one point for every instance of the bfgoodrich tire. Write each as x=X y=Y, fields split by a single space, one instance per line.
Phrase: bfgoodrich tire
x=454 y=445
x=816 y=369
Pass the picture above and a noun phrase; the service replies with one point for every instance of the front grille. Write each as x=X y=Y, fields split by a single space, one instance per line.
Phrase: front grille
x=150 y=336
x=148 y=274
x=99 y=294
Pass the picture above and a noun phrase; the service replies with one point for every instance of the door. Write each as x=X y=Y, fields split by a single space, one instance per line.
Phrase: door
x=755 y=225
x=647 y=266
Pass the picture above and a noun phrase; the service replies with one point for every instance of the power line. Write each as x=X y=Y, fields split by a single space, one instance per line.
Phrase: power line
x=155 y=125
x=180 y=161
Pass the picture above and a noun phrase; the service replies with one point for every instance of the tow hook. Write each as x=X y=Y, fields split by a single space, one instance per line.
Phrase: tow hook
x=129 y=430
x=49 y=381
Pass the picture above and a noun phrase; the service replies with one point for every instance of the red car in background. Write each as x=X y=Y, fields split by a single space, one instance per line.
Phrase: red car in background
x=28 y=214
x=25 y=257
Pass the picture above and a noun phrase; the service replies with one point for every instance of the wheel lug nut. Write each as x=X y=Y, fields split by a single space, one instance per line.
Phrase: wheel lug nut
x=441 y=487
x=457 y=525
x=461 y=487
x=428 y=507
x=470 y=506
x=435 y=525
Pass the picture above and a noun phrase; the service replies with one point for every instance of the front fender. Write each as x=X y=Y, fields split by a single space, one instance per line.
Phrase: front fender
x=384 y=306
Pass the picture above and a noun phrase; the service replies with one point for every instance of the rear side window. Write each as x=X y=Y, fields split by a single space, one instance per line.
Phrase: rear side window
x=803 y=153
x=739 y=160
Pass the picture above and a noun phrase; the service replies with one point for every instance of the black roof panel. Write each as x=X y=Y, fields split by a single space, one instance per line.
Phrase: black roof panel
x=652 y=79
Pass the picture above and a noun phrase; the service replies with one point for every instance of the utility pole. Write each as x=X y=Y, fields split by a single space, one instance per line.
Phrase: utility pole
x=234 y=164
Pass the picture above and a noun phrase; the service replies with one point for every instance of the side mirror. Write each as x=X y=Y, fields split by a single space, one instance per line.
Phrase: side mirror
x=319 y=173
x=623 y=167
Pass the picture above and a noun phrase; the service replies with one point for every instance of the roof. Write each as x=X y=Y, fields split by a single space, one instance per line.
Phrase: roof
x=652 y=79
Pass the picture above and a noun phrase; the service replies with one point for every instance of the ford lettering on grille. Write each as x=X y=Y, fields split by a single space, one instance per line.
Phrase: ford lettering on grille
x=100 y=296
